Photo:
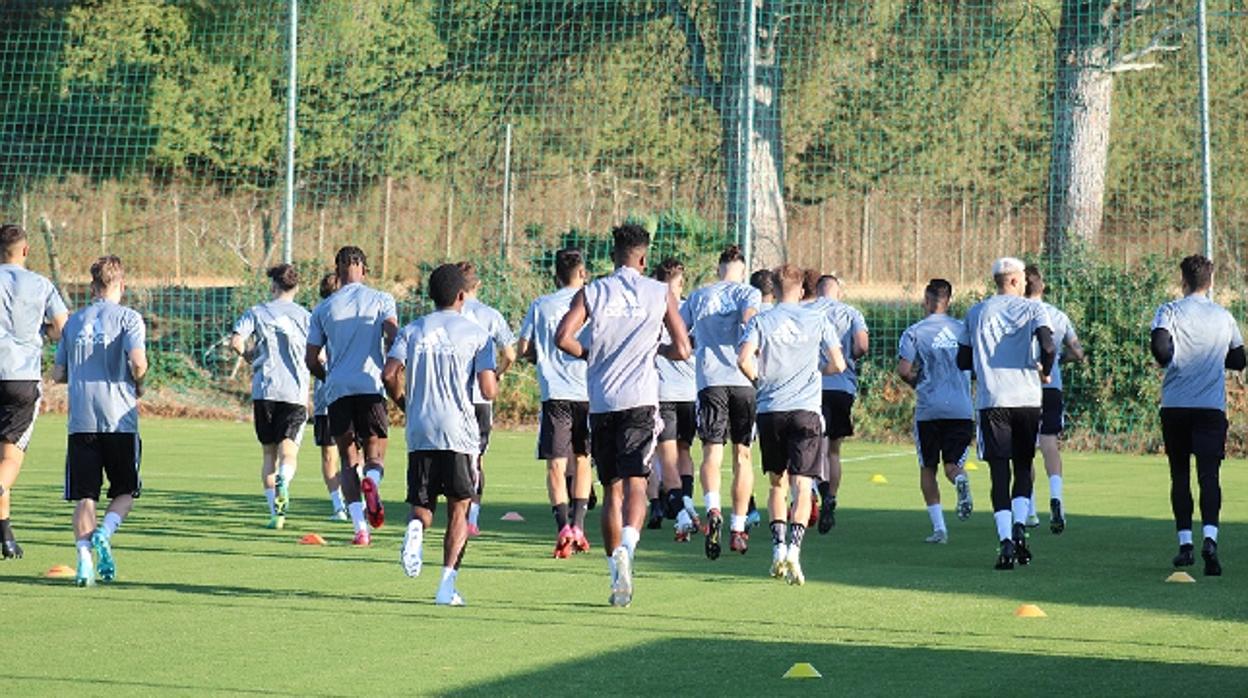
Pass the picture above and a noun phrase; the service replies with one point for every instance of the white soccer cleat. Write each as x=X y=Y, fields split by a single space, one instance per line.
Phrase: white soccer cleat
x=793 y=568
x=966 y=504
x=412 y=553
x=449 y=597
x=622 y=584
x=779 y=561
x=940 y=536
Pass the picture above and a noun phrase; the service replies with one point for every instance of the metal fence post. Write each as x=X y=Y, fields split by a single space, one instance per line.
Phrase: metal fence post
x=292 y=87
x=746 y=224
x=1206 y=166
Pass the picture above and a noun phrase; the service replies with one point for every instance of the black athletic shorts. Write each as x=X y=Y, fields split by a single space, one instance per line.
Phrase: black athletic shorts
x=680 y=421
x=947 y=440
x=358 y=417
x=433 y=474
x=623 y=442
x=564 y=430
x=726 y=412
x=1052 y=417
x=838 y=409
x=276 y=422
x=89 y=457
x=19 y=405
x=1008 y=433
x=1191 y=431
x=789 y=442
x=485 y=423
x=320 y=431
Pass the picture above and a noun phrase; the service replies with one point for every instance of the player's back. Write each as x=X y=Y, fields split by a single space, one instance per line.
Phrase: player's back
x=847 y=321
x=281 y=331
x=1001 y=333
x=943 y=390
x=790 y=339
x=678 y=380
x=560 y=376
x=1062 y=328
x=95 y=349
x=442 y=352
x=713 y=315
x=1203 y=332
x=27 y=301
x=350 y=326
x=626 y=313
x=495 y=325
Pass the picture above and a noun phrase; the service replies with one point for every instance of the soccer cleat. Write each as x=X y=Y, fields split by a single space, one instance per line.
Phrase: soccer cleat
x=362 y=539
x=1032 y=521
x=107 y=567
x=281 y=497
x=827 y=514
x=11 y=550
x=580 y=544
x=473 y=530
x=714 y=527
x=779 y=561
x=965 y=504
x=1022 y=554
x=411 y=555
x=449 y=598
x=752 y=519
x=564 y=542
x=1057 y=518
x=85 y=575
x=681 y=534
x=1185 y=558
x=1005 y=560
x=1209 y=552
x=684 y=527
x=793 y=568
x=655 y=522
x=276 y=522
x=374 y=511
x=339 y=515
x=692 y=512
x=622 y=585
x=940 y=536
x=739 y=542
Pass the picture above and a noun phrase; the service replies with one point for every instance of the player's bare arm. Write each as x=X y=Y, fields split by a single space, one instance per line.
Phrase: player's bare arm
x=907 y=371
x=745 y=360
x=570 y=326
x=680 y=347
x=835 y=361
x=389 y=330
x=862 y=342
x=54 y=329
x=392 y=378
x=488 y=382
x=138 y=368
x=312 y=358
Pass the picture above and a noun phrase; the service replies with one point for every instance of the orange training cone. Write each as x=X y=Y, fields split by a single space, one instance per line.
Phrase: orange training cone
x=312 y=539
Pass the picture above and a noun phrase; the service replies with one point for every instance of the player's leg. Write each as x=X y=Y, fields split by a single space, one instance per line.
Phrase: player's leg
x=268 y=480
x=1209 y=445
x=454 y=545
x=1024 y=429
x=372 y=422
x=956 y=437
x=10 y=466
x=332 y=479
x=485 y=425
x=773 y=453
x=927 y=447
x=801 y=435
x=422 y=501
x=713 y=429
x=19 y=408
x=1176 y=432
x=287 y=457
x=84 y=528
x=122 y=456
x=995 y=446
x=582 y=482
x=741 y=415
x=84 y=479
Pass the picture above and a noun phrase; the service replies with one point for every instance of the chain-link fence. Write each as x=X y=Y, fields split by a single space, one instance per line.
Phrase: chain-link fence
x=887 y=142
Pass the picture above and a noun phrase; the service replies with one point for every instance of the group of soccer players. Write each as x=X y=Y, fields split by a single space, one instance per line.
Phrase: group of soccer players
x=629 y=374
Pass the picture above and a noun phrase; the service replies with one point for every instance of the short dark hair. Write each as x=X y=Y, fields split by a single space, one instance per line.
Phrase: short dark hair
x=1033 y=280
x=791 y=276
x=670 y=268
x=939 y=290
x=765 y=281
x=348 y=256
x=469 y=270
x=445 y=284
x=629 y=237
x=810 y=283
x=731 y=253
x=1197 y=271
x=10 y=235
x=329 y=284
x=826 y=279
x=106 y=272
x=284 y=275
x=567 y=261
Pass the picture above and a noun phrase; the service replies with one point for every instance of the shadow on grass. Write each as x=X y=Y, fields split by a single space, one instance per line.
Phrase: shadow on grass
x=78 y=684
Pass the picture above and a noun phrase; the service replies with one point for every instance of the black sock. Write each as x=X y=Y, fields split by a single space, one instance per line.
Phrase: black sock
x=825 y=489
x=578 y=512
x=777 y=532
x=654 y=505
x=752 y=507
x=6 y=531
x=561 y=515
x=674 y=503
x=686 y=486
x=796 y=533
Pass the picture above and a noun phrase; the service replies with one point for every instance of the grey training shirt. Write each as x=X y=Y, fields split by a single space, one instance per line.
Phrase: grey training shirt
x=95 y=351
x=348 y=325
x=495 y=325
x=943 y=390
x=849 y=321
x=28 y=301
x=1203 y=333
x=559 y=376
x=1000 y=330
x=1063 y=331
x=713 y=316
x=791 y=340
x=626 y=313
x=279 y=373
x=677 y=379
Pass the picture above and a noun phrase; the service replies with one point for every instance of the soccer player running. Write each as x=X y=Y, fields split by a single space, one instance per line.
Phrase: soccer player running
x=999 y=344
x=563 y=437
x=765 y=281
x=103 y=358
x=1195 y=340
x=320 y=428
x=354 y=327
x=678 y=394
x=626 y=313
x=715 y=316
x=279 y=384
x=30 y=307
x=943 y=419
x=791 y=341
x=495 y=324
x=839 y=391
x=1052 y=420
x=430 y=372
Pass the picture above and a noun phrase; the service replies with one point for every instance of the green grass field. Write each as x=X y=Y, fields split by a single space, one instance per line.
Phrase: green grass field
x=207 y=601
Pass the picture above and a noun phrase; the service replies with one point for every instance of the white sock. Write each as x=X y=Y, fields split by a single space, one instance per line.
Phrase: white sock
x=474 y=510
x=415 y=526
x=1031 y=504
x=335 y=500
x=1055 y=486
x=356 y=509
x=711 y=499
x=688 y=502
x=1005 y=524
x=1019 y=507
x=1211 y=532
x=1185 y=536
x=937 y=515
x=737 y=523
x=611 y=567
x=629 y=538
x=271 y=494
x=448 y=578
x=112 y=522
x=84 y=550
x=287 y=472
x=374 y=475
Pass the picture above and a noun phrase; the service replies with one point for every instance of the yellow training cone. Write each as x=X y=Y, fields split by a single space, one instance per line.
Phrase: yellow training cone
x=879 y=479
x=1181 y=577
x=802 y=670
x=1028 y=610
x=972 y=466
